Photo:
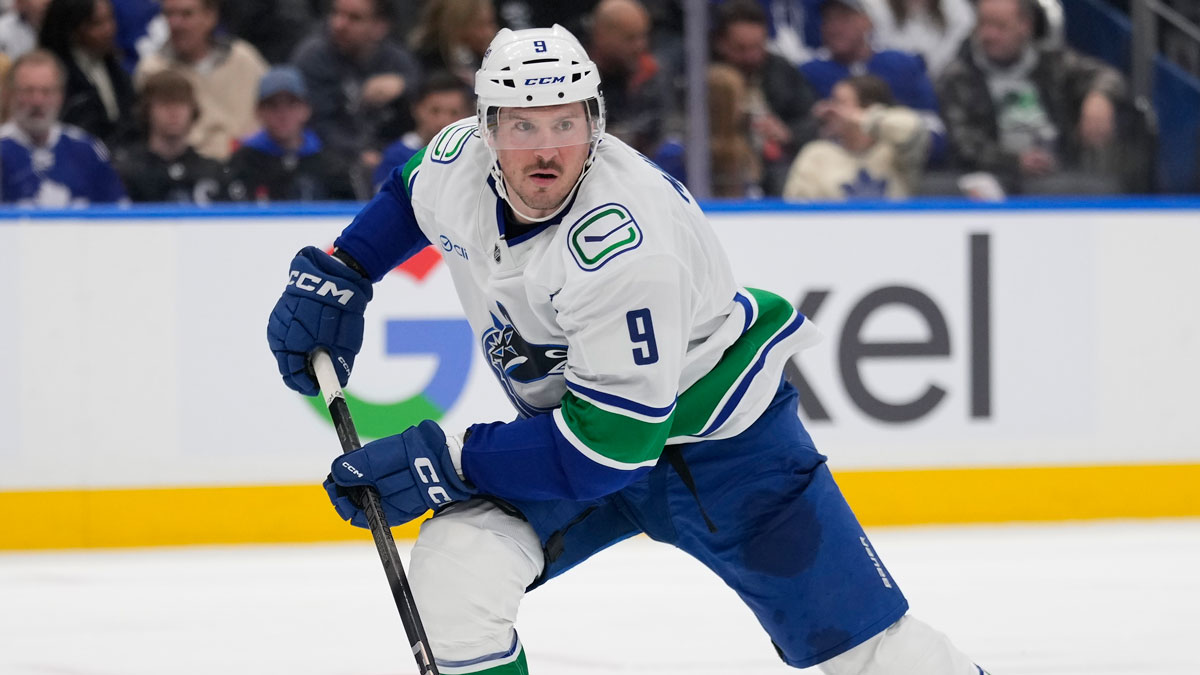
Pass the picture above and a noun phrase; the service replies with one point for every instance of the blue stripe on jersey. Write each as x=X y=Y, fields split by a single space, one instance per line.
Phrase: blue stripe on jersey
x=748 y=306
x=516 y=643
x=740 y=391
x=619 y=402
x=412 y=180
x=385 y=233
x=529 y=459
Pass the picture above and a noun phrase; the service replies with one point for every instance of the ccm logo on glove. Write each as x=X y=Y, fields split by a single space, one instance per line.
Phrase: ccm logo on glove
x=308 y=282
x=412 y=471
x=423 y=467
x=353 y=470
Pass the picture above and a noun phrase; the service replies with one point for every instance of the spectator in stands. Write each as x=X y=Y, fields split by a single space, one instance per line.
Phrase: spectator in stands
x=44 y=162
x=1039 y=119
x=141 y=30
x=518 y=14
x=286 y=161
x=358 y=77
x=778 y=95
x=442 y=100
x=1177 y=44
x=224 y=72
x=637 y=98
x=934 y=29
x=274 y=27
x=99 y=96
x=794 y=27
x=872 y=148
x=165 y=167
x=735 y=167
x=453 y=35
x=847 y=50
x=19 y=27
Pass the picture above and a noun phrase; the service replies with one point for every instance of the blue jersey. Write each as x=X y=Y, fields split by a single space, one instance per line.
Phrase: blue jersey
x=395 y=156
x=71 y=169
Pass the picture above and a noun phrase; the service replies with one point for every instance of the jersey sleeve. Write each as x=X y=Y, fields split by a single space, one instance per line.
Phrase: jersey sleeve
x=385 y=233
x=626 y=322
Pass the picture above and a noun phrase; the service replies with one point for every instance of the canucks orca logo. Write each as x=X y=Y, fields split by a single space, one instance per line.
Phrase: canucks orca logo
x=516 y=360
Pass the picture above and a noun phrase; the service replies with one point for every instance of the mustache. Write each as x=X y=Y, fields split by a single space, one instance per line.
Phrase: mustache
x=544 y=166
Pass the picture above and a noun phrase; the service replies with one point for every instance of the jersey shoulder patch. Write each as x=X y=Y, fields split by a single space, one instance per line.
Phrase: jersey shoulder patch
x=449 y=143
x=602 y=234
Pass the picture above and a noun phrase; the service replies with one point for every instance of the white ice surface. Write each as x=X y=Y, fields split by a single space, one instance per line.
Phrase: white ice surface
x=1064 y=599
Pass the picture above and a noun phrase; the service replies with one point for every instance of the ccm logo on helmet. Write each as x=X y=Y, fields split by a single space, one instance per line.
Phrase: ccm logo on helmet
x=309 y=282
x=545 y=80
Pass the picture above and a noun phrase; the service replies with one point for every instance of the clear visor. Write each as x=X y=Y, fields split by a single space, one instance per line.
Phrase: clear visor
x=537 y=128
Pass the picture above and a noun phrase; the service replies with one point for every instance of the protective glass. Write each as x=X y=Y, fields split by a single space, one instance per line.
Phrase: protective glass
x=538 y=128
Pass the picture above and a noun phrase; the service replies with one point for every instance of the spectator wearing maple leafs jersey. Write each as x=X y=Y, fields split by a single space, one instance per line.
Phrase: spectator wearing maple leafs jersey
x=43 y=162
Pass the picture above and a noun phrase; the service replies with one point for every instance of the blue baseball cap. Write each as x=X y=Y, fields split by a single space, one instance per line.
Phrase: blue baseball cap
x=282 y=80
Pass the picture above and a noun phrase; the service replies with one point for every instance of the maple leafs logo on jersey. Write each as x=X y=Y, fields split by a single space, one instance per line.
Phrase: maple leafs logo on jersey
x=865 y=186
x=515 y=358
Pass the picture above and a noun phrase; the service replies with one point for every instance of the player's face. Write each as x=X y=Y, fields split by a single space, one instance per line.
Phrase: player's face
x=37 y=97
x=542 y=152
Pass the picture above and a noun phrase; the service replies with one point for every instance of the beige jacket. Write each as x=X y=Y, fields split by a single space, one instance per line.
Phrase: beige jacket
x=226 y=84
x=891 y=168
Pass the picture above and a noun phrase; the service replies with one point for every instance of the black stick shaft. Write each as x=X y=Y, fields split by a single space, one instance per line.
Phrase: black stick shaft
x=373 y=507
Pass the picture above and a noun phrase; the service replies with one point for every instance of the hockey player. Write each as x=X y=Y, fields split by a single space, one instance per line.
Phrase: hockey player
x=648 y=385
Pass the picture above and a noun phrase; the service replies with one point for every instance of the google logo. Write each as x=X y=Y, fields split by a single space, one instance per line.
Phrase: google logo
x=451 y=341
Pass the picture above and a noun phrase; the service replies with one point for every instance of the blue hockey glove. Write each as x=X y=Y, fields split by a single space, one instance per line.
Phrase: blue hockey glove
x=412 y=472
x=322 y=306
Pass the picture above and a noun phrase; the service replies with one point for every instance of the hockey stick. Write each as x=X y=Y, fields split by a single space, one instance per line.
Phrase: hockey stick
x=373 y=507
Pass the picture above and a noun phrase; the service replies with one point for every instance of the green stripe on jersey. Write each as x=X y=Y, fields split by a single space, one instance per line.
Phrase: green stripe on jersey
x=409 y=167
x=613 y=435
x=697 y=404
x=631 y=441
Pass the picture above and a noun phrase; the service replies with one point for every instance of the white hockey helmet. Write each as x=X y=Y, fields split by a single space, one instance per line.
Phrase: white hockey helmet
x=533 y=68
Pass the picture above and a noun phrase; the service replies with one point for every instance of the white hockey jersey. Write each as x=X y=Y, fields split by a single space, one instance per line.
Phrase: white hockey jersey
x=620 y=318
